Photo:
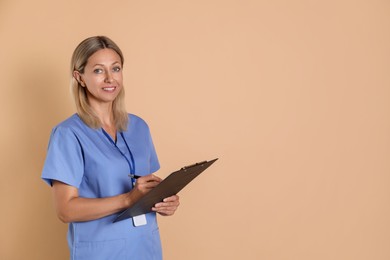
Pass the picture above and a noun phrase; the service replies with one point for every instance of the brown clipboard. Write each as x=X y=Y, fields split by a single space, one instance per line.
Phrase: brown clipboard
x=171 y=185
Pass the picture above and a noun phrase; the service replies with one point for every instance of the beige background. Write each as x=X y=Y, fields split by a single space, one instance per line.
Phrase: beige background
x=292 y=96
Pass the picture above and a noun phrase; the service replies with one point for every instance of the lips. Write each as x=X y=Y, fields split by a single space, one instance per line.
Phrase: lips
x=109 y=88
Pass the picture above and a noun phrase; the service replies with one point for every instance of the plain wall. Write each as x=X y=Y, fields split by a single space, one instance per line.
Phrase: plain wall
x=292 y=96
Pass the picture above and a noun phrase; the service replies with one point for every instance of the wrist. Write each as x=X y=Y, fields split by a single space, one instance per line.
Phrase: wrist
x=129 y=198
x=126 y=200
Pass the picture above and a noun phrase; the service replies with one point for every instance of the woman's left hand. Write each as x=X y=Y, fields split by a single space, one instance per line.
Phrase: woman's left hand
x=168 y=207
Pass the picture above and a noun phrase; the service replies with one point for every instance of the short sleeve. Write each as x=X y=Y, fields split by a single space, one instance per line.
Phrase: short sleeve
x=64 y=160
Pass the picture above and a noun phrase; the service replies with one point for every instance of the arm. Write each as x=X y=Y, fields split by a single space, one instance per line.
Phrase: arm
x=70 y=207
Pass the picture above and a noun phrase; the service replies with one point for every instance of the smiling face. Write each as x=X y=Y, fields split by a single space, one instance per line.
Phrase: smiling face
x=102 y=77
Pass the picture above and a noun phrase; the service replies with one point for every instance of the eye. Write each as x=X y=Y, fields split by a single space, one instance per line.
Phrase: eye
x=116 y=69
x=97 y=71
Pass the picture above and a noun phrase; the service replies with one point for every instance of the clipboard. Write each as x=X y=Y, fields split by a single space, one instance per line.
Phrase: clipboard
x=170 y=186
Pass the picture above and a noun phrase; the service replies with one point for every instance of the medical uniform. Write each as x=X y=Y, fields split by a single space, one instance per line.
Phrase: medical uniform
x=91 y=161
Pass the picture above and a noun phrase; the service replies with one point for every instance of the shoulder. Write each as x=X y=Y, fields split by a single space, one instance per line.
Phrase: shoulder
x=71 y=121
x=136 y=121
x=72 y=124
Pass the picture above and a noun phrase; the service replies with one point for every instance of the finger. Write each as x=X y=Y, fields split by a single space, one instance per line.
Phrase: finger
x=165 y=211
x=175 y=203
x=152 y=177
x=165 y=205
x=148 y=185
x=171 y=198
x=148 y=177
x=165 y=214
x=148 y=181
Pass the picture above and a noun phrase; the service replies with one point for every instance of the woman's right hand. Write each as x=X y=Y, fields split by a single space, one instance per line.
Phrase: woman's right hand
x=142 y=186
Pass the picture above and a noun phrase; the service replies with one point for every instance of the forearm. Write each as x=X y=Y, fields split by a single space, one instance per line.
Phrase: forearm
x=71 y=207
x=85 y=209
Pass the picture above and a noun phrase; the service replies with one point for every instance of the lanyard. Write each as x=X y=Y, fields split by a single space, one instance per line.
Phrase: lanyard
x=130 y=163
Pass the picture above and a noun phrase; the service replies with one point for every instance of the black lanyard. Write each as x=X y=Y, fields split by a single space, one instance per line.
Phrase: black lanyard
x=130 y=163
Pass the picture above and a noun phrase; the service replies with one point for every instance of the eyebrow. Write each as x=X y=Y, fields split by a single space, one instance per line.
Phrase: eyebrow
x=98 y=64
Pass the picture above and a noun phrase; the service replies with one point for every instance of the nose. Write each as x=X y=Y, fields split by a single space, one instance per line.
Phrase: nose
x=108 y=77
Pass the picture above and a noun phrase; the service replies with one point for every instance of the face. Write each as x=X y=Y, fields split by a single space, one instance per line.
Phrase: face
x=102 y=77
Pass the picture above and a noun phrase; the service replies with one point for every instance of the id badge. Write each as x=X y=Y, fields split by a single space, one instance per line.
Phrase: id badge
x=139 y=220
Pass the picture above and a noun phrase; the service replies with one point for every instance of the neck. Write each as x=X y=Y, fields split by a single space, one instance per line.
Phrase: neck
x=105 y=114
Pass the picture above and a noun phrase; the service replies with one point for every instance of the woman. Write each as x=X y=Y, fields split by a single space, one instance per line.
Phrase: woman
x=90 y=157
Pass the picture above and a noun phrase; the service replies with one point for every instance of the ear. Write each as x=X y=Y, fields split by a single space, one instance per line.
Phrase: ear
x=78 y=77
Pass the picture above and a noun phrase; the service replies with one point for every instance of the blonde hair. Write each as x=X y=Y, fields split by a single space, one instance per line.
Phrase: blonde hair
x=79 y=60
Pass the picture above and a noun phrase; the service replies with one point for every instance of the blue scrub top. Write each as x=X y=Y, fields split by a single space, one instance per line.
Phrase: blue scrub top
x=85 y=158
